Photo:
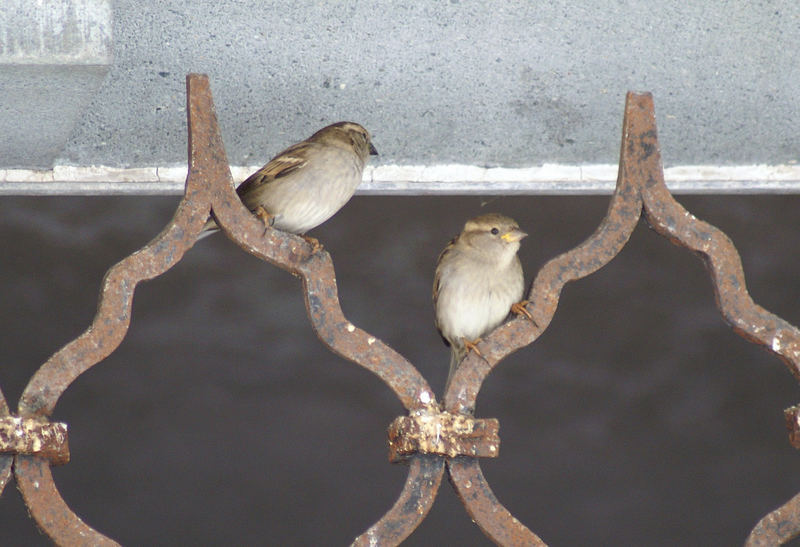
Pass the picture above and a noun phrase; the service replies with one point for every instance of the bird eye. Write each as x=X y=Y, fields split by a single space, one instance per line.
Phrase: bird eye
x=495 y=231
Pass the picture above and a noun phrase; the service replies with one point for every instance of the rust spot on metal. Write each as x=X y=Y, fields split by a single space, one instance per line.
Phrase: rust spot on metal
x=431 y=431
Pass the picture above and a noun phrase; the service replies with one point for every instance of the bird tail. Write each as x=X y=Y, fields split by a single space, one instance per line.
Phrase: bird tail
x=457 y=354
x=209 y=228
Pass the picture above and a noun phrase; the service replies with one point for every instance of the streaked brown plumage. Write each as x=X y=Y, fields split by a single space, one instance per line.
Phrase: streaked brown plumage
x=310 y=181
x=478 y=279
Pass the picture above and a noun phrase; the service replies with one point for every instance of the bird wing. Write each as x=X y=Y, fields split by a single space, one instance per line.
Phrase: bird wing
x=437 y=279
x=288 y=161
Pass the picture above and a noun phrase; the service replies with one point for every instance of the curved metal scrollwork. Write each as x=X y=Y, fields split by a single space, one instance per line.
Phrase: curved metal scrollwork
x=431 y=439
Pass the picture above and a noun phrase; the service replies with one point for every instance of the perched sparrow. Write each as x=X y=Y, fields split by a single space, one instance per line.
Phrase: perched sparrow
x=309 y=182
x=478 y=281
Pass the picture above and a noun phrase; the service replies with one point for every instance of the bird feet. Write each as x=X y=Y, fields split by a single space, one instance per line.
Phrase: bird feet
x=265 y=217
x=269 y=220
x=520 y=308
x=316 y=246
x=472 y=345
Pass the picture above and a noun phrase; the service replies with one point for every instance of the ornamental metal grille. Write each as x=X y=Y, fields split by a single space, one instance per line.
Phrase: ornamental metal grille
x=434 y=437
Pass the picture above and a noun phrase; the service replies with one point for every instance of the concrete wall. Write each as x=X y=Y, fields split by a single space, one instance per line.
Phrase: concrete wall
x=53 y=58
x=500 y=84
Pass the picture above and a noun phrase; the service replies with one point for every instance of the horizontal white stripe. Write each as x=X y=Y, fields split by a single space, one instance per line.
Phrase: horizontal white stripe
x=455 y=179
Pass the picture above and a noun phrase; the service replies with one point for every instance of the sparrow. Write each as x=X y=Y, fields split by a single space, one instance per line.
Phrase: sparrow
x=478 y=281
x=309 y=182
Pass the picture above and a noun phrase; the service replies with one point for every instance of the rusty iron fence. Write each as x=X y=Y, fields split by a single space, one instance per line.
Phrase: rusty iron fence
x=433 y=437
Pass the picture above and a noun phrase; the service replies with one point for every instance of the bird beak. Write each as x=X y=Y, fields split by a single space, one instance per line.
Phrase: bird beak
x=514 y=235
x=372 y=150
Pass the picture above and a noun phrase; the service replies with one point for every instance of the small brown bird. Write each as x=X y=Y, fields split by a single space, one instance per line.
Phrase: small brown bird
x=478 y=282
x=309 y=182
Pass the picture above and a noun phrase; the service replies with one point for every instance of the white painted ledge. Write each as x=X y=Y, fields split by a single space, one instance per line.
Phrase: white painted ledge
x=547 y=179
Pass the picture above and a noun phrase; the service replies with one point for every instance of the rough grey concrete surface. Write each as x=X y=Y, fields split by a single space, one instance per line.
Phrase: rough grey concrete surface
x=510 y=84
x=53 y=57
x=58 y=94
x=55 y=32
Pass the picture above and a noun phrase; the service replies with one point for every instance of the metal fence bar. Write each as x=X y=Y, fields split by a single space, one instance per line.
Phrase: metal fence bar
x=6 y=460
x=459 y=437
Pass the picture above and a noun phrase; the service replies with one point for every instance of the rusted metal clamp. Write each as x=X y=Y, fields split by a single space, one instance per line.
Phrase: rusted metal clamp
x=30 y=437
x=432 y=431
x=792 y=416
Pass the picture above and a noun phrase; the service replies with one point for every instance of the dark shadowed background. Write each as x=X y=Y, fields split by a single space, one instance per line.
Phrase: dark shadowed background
x=638 y=417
